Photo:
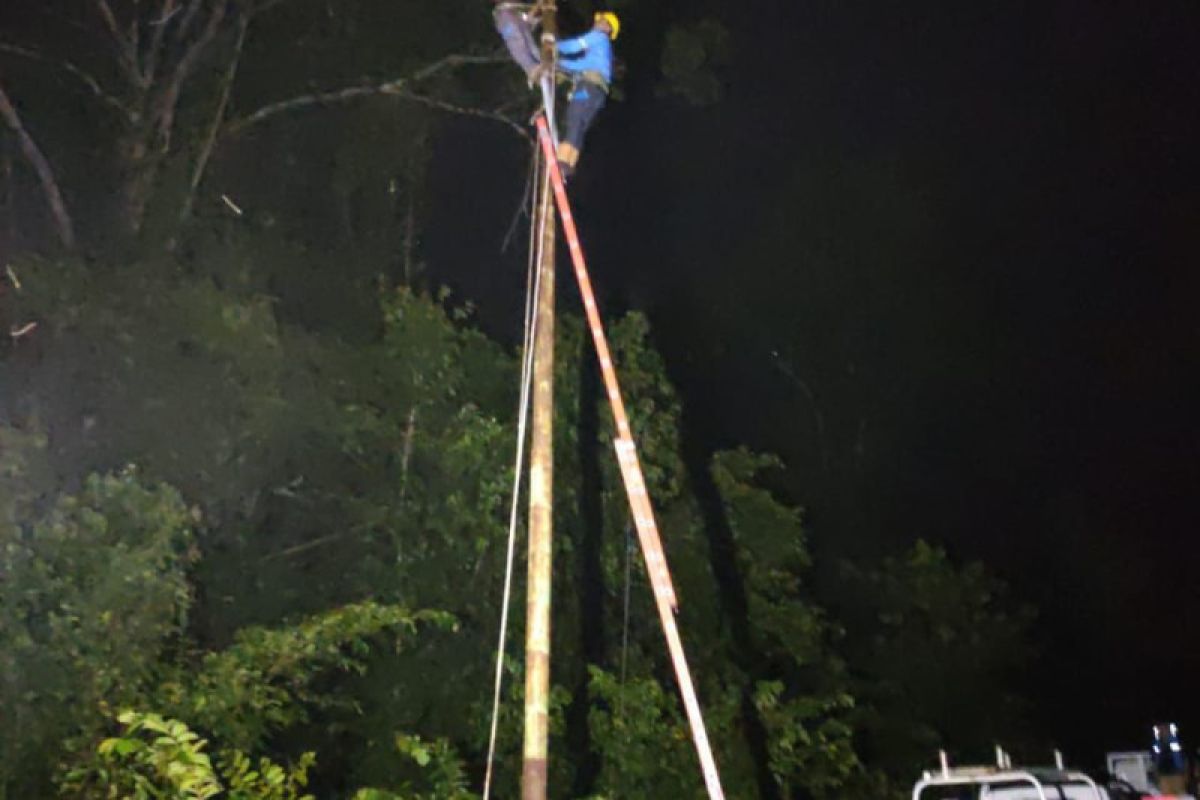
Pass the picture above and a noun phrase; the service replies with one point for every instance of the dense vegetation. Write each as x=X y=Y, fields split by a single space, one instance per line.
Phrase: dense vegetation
x=254 y=470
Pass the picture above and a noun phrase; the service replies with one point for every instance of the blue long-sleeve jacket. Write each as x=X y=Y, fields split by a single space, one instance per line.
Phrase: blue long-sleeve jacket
x=591 y=52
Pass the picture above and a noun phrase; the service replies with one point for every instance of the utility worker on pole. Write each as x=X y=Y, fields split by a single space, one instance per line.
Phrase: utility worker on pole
x=515 y=23
x=588 y=61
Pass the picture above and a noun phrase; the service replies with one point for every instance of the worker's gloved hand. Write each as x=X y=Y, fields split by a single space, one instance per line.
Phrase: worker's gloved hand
x=535 y=74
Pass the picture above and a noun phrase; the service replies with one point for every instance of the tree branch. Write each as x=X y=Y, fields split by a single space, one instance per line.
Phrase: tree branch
x=167 y=10
x=86 y=79
x=818 y=417
x=210 y=140
x=165 y=111
x=58 y=208
x=398 y=86
x=126 y=54
x=410 y=434
x=189 y=16
x=303 y=547
x=110 y=21
x=135 y=34
x=189 y=59
x=466 y=111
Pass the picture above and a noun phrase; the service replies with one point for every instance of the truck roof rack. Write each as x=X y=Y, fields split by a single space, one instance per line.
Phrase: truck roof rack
x=1003 y=773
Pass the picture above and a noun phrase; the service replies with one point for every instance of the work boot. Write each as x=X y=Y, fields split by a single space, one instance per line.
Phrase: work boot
x=568 y=157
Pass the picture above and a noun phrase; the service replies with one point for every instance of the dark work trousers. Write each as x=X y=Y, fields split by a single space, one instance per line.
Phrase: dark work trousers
x=513 y=26
x=585 y=102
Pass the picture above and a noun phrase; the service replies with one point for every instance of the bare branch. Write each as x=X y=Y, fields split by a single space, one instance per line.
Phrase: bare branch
x=126 y=53
x=449 y=62
x=410 y=434
x=399 y=87
x=189 y=59
x=818 y=417
x=21 y=331
x=110 y=21
x=210 y=140
x=135 y=34
x=169 y=100
x=304 y=547
x=167 y=10
x=189 y=16
x=86 y=79
x=466 y=111
x=33 y=153
x=165 y=17
x=303 y=101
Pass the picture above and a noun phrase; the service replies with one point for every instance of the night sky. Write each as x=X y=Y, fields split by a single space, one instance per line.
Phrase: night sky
x=941 y=257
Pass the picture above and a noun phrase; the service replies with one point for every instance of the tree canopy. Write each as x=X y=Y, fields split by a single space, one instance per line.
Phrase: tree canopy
x=255 y=468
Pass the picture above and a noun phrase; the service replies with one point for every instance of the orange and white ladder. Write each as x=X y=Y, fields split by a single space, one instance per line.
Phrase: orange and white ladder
x=631 y=473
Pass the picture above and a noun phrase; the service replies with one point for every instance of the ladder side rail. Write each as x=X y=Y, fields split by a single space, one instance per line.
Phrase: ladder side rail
x=635 y=485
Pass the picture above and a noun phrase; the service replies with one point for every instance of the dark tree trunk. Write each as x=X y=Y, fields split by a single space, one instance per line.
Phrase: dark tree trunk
x=139 y=171
x=735 y=602
x=590 y=583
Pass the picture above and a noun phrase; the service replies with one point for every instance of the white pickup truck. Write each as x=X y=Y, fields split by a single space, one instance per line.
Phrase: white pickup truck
x=1007 y=783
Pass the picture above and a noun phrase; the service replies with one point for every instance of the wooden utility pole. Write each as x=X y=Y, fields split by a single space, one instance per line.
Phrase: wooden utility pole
x=534 y=771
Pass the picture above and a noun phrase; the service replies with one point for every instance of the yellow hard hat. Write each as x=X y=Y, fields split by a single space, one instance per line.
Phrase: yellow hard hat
x=614 y=22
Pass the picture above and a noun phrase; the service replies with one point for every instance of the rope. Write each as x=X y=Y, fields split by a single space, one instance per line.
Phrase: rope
x=548 y=106
x=532 y=286
x=525 y=207
x=625 y=618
